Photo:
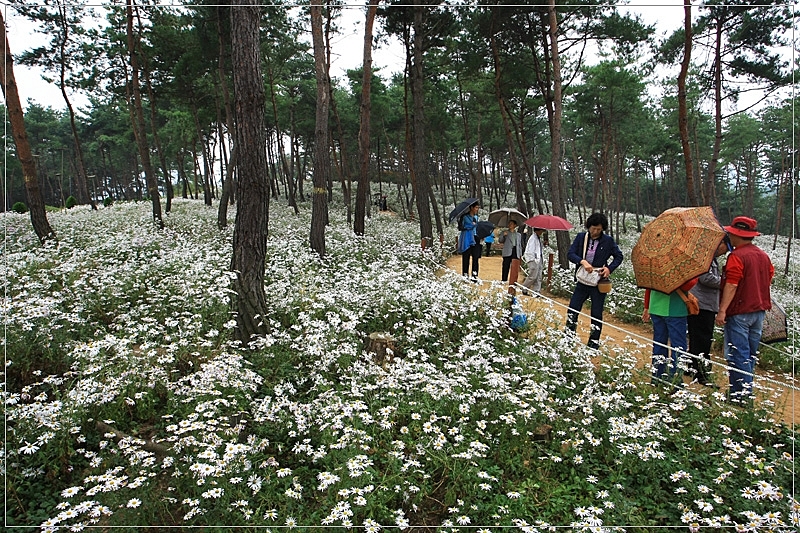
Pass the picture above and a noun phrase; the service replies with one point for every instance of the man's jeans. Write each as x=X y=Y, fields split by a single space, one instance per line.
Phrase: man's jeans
x=672 y=329
x=742 y=337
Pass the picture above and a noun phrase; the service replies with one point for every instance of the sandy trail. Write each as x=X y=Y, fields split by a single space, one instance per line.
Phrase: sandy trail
x=617 y=333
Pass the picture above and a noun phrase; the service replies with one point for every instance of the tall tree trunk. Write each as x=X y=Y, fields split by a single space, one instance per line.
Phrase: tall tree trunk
x=252 y=215
x=784 y=182
x=319 y=199
x=80 y=174
x=504 y=115
x=9 y=83
x=683 y=113
x=228 y=186
x=519 y=133
x=708 y=186
x=162 y=157
x=419 y=163
x=140 y=133
x=204 y=152
x=471 y=170
x=557 y=187
x=281 y=156
x=342 y=165
x=362 y=189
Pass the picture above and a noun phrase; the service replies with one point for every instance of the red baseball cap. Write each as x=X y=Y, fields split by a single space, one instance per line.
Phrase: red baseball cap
x=744 y=227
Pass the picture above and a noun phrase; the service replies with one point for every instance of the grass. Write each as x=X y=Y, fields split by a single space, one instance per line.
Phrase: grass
x=128 y=404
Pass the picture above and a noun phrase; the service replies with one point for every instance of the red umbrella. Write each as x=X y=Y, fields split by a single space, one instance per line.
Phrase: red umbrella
x=548 y=222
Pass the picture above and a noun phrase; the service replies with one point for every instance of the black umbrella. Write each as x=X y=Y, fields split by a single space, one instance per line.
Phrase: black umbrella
x=483 y=229
x=462 y=208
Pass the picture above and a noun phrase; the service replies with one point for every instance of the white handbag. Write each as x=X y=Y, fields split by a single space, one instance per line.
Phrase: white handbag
x=587 y=278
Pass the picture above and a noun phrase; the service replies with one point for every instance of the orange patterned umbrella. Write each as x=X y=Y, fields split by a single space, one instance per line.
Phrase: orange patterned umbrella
x=678 y=245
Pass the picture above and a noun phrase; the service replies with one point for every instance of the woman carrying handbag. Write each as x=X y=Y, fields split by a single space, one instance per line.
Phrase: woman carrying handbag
x=591 y=251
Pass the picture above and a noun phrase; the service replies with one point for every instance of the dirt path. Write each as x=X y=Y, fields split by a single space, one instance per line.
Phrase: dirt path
x=617 y=333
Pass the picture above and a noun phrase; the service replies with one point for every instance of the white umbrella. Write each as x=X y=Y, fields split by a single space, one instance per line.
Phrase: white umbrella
x=500 y=217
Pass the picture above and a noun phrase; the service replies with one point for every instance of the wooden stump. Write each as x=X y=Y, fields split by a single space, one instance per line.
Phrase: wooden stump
x=543 y=433
x=382 y=346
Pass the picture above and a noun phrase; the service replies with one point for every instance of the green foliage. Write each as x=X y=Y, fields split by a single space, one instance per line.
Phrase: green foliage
x=108 y=202
x=19 y=207
x=70 y=202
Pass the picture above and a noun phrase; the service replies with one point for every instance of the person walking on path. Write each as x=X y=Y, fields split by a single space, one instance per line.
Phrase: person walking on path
x=745 y=299
x=534 y=261
x=599 y=250
x=701 y=325
x=512 y=247
x=668 y=314
x=468 y=244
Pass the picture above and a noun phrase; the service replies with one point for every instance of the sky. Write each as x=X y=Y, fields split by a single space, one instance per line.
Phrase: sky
x=667 y=15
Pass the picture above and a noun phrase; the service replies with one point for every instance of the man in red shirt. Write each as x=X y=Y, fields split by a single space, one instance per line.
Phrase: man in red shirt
x=743 y=303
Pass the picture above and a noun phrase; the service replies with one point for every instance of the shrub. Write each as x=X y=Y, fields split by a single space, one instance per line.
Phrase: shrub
x=108 y=202
x=20 y=207
x=70 y=202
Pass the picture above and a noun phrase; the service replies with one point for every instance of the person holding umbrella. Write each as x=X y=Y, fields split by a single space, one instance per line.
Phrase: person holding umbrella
x=534 y=262
x=591 y=250
x=668 y=314
x=469 y=245
x=745 y=299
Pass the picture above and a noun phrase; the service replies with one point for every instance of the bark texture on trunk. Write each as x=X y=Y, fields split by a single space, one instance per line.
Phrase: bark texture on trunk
x=683 y=112
x=139 y=130
x=322 y=166
x=252 y=215
x=9 y=83
x=362 y=189
x=419 y=162
x=557 y=187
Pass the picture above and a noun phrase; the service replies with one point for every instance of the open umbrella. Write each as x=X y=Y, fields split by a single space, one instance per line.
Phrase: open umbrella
x=678 y=245
x=483 y=229
x=548 y=222
x=461 y=208
x=500 y=217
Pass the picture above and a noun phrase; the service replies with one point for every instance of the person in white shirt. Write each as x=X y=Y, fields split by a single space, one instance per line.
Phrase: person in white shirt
x=534 y=260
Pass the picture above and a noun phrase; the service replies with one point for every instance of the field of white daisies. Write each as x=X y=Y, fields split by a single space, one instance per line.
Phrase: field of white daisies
x=128 y=404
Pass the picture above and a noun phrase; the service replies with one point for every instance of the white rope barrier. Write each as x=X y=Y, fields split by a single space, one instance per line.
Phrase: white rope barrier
x=654 y=343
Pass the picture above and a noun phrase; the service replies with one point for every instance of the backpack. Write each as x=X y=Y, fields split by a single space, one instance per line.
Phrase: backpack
x=461 y=222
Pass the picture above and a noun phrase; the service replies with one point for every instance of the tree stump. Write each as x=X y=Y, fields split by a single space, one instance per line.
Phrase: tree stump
x=543 y=433
x=382 y=346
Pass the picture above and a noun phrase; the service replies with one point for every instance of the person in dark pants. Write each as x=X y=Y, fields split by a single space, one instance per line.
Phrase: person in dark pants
x=512 y=247
x=701 y=325
x=600 y=248
x=468 y=244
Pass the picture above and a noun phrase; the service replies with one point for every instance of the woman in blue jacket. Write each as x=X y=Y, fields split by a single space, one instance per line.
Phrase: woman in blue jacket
x=600 y=248
x=469 y=245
